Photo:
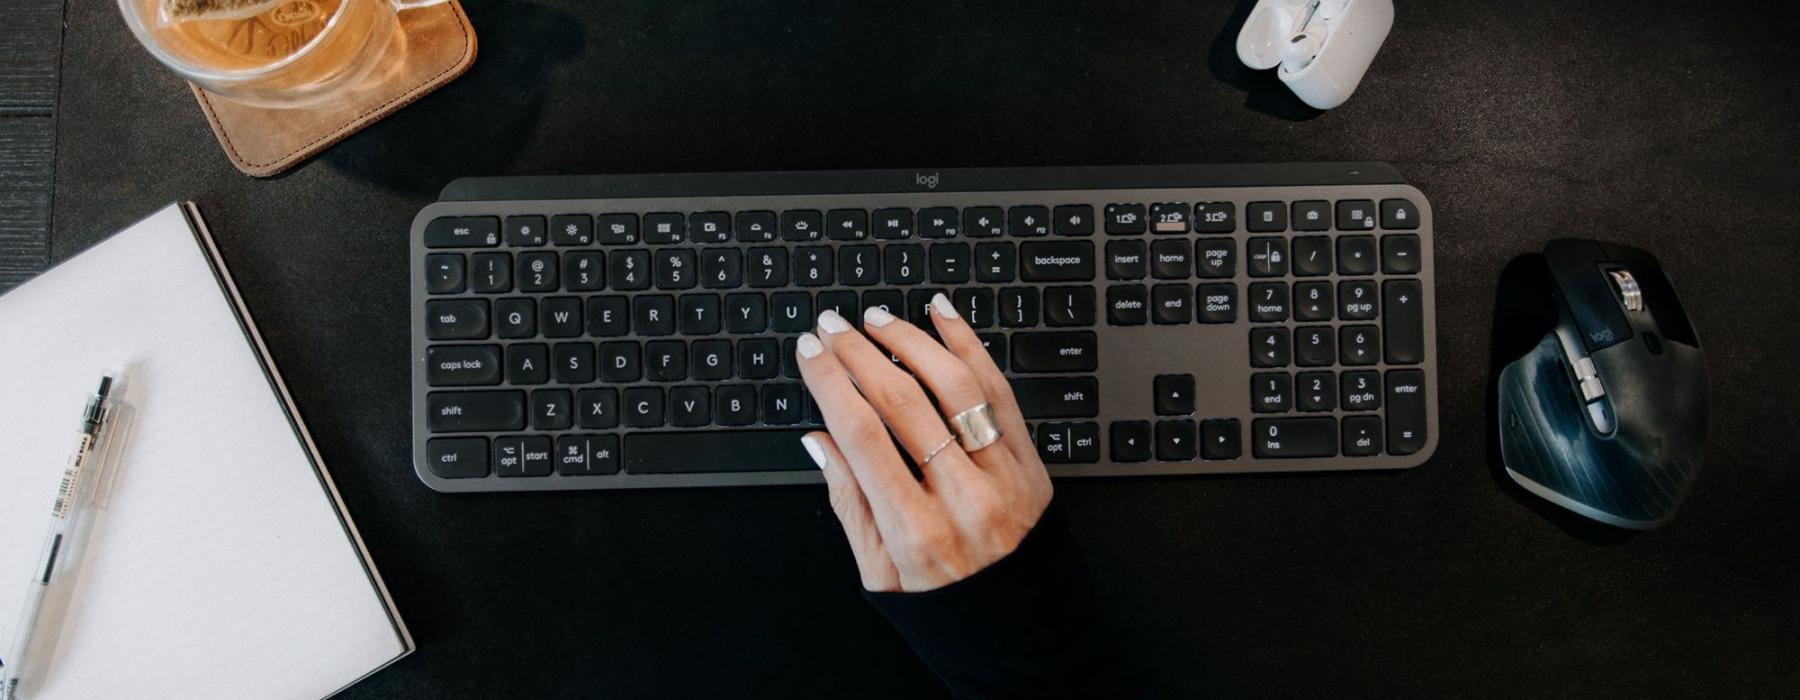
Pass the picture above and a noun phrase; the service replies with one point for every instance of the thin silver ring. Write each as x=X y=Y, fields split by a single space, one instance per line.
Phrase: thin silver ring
x=934 y=451
x=976 y=427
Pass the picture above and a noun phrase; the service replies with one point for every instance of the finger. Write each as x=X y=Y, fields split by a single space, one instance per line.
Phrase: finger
x=852 y=508
x=948 y=376
x=858 y=432
x=900 y=402
x=961 y=340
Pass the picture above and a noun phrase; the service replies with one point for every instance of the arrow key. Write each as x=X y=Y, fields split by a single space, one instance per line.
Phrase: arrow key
x=1221 y=438
x=1174 y=394
x=1131 y=441
x=1175 y=440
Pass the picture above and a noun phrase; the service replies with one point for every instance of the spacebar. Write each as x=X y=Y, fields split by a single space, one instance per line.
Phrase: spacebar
x=706 y=452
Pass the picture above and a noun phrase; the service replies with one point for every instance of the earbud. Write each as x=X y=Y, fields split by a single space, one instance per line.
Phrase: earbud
x=1302 y=49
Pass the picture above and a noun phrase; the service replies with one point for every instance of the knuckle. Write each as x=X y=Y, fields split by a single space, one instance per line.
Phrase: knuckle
x=864 y=433
x=897 y=396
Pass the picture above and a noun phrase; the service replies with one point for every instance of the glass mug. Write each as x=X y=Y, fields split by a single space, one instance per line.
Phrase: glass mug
x=287 y=53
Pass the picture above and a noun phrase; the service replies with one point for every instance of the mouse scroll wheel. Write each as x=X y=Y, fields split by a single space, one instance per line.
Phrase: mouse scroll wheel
x=1629 y=292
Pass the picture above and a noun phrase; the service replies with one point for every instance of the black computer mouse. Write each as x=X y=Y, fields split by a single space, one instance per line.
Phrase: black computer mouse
x=1607 y=415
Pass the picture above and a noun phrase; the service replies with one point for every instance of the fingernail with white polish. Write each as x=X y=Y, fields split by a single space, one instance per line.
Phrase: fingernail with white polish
x=832 y=323
x=813 y=448
x=877 y=316
x=941 y=304
x=808 y=346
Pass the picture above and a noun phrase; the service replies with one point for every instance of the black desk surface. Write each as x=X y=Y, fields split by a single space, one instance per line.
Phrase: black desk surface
x=1664 y=123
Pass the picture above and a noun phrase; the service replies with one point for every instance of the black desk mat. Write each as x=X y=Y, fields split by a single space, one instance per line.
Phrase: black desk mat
x=1666 y=124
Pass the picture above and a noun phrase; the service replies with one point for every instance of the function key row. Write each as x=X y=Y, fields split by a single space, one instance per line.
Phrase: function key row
x=762 y=226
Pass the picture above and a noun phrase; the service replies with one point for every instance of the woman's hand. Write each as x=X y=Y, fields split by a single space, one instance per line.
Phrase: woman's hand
x=971 y=508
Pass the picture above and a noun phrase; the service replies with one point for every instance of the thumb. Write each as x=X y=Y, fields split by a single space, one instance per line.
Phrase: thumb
x=852 y=508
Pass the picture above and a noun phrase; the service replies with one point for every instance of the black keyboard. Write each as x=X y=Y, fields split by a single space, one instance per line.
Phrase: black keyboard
x=638 y=331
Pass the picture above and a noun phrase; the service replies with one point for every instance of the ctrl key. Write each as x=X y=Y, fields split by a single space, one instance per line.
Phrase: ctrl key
x=1069 y=443
x=457 y=458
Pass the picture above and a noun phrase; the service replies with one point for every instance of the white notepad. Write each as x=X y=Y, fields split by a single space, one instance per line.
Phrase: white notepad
x=224 y=565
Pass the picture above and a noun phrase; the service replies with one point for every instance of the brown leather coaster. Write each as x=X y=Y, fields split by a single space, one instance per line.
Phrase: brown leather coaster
x=436 y=46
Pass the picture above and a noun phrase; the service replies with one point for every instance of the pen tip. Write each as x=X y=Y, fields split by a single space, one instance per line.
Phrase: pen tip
x=105 y=385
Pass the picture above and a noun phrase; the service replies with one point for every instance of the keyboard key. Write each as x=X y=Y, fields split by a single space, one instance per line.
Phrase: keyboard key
x=1266 y=217
x=949 y=263
x=587 y=455
x=537 y=272
x=1057 y=397
x=527 y=364
x=523 y=456
x=491 y=273
x=859 y=265
x=597 y=408
x=463 y=232
x=515 y=318
x=572 y=229
x=1269 y=347
x=444 y=273
x=1294 y=437
x=722 y=268
x=621 y=362
x=1169 y=259
x=675 y=268
x=728 y=451
x=1312 y=301
x=1175 y=441
x=1355 y=215
x=1215 y=217
x=813 y=267
x=736 y=404
x=613 y=229
x=1074 y=220
x=782 y=404
x=462 y=365
x=1268 y=302
x=665 y=360
x=711 y=360
x=1268 y=257
x=1312 y=256
x=889 y=300
x=791 y=312
x=525 y=231
x=847 y=224
x=664 y=228
x=1169 y=217
x=768 y=267
x=1055 y=352
x=560 y=317
x=1400 y=254
x=1127 y=260
x=1358 y=345
x=1406 y=433
x=1356 y=255
x=629 y=270
x=1130 y=441
x=1314 y=347
x=1317 y=391
x=584 y=271
x=802 y=225
x=1069 y=306
x=996 y=262
x=1399 y=214
x=1217 y=303
x=1028 y=221
x=938 y=222
x=690 y=406
x=903 y=265
x=1069 y=443
x=755 y=226
x=1174 y=394
x=457 y=458
x=1312 y=216
x=1403 y=321
x=995 y=345
x=701 y=314
x=893 y=224
x=572 y=363
x=1356 y=300
x=456 y=319
x=1170 y=304
x=1124 y=219
x=552 y=409
x=1128 y=305
x=653 y=315
x=710 y=227
x=1056 y=261
x=1018 y=307
x=644 y=408
x=1271 y=392
x=1220 y=439
x=1362 y=436
x=1215 y=258
x=608 y=317
x=746 y=313
x=1361 y=391
x=474 y=411
x=845 y=304
x=759 y=358
x=976 y=306
x=983 y=222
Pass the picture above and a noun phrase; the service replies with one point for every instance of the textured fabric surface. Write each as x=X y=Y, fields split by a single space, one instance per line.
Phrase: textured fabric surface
x=1667 y=124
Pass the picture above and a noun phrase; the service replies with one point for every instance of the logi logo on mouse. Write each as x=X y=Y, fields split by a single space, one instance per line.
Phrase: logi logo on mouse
x=929 y=182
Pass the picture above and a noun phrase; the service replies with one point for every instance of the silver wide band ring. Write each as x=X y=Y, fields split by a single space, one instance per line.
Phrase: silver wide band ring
x=976 y=427
x=935 y=450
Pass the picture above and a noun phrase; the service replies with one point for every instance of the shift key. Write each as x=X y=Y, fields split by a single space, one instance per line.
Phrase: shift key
x=475 y=411
x=1057 y=397
x=1055 y=352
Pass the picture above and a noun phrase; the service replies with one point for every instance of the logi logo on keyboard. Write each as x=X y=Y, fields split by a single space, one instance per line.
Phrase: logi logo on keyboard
x=929 y=182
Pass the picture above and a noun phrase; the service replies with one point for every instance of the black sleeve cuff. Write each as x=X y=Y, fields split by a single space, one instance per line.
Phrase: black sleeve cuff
x=1024 y=627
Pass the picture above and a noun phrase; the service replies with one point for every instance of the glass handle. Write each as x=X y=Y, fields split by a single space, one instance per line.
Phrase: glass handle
x=404 y=5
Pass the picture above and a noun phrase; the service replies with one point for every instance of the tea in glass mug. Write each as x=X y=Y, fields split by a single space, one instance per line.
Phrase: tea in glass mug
x=270 y=53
